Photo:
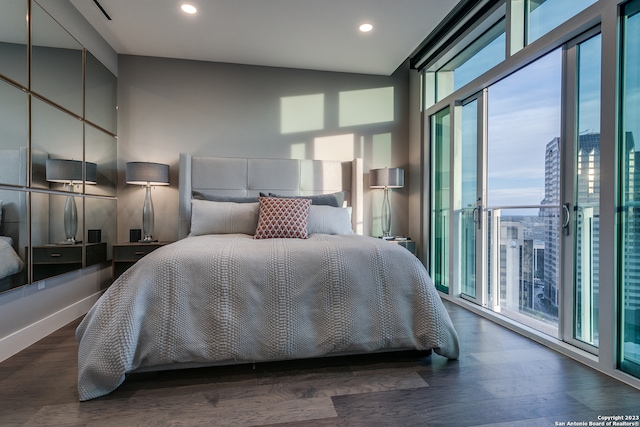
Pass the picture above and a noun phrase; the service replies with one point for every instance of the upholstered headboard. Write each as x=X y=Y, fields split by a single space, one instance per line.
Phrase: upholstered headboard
x=250 y=177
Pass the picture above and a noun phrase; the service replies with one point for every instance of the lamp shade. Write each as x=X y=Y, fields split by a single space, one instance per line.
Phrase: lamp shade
x=143 y=173
x=70 y=171
x=386 y=178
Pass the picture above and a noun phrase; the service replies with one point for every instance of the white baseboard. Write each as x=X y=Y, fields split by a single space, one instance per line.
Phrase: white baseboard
x=33 y=333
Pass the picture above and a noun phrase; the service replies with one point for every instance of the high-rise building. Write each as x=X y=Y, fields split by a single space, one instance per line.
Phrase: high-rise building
x=552 y=220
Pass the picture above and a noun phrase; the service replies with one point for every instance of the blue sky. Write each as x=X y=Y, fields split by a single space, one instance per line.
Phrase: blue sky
x=524 y=115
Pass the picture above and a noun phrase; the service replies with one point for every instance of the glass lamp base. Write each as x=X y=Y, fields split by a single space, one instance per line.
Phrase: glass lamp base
x=147 y=218
x=386 y=214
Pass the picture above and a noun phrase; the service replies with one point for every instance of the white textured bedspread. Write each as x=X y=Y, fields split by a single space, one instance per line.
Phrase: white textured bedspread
x=221 y=298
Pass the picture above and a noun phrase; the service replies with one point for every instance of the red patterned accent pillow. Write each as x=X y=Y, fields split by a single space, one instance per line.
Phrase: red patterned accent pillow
x=282 y=218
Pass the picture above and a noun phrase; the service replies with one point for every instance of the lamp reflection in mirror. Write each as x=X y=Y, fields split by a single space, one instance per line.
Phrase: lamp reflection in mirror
x=69 y=173
x=386 y=178
x=147 y=174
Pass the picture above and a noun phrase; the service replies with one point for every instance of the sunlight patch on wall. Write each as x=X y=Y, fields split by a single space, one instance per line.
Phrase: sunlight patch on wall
x=381 y=151
x=337 y=147
x=367 y=106
x=301 y=113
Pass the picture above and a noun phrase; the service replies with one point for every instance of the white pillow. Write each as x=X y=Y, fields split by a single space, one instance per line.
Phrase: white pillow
x=325 y=219
x=209 y=217
x=10 y=262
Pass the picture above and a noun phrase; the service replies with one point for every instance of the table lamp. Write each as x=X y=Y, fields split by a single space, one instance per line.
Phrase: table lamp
x=147 y=174
x=386 y=178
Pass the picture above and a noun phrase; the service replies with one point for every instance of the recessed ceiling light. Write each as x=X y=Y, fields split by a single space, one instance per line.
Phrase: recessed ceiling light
x=365 y=28
x=188 y=8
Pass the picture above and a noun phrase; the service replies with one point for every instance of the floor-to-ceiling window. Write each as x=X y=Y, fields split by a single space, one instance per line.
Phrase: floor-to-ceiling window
x=532 y=148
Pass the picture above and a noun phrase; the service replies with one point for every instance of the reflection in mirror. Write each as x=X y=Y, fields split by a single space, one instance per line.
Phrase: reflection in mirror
x=52 y=254
x=101 y=149
x=100 y=235
x=14 y=239
x=54 y=135
x=14 y=135
x=100 y=94
x=56 y=68
x=69 y=174
x=14 y=31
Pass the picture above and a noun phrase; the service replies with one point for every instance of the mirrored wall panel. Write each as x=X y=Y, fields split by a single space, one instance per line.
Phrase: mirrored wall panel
x=14 y=238
x=101 y=151
x=14 y=37
x=57 y=227
x=100 y=233
x=100 y=93
x=56 y=69
x=14 y=134
x=58 y=149
x=55 y=135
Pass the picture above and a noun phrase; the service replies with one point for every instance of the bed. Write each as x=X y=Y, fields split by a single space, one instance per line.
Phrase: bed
x=234 y=290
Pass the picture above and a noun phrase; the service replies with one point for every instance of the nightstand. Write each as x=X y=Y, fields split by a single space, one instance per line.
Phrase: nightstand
x=127 y=254
x=51 y=260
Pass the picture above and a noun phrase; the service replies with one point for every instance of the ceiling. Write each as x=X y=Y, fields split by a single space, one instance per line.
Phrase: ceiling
x=305 y=34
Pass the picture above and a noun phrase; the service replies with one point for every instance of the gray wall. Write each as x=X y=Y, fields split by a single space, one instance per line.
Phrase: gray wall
x=169 y=106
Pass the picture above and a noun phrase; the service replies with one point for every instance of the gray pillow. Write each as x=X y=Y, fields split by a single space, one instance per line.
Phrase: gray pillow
x=199 y=195
x=329 y=220
x=334 y=199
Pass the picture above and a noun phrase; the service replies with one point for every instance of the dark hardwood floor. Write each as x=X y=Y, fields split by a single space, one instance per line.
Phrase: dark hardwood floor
x=501 y=379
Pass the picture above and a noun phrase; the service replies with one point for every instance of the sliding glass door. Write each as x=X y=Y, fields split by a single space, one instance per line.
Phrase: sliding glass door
x=582 y=235
x=469 y=239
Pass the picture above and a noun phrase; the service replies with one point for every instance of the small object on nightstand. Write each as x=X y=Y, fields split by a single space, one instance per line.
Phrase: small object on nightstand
x=94 y=236
x=135 y=234
x=127 y=254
